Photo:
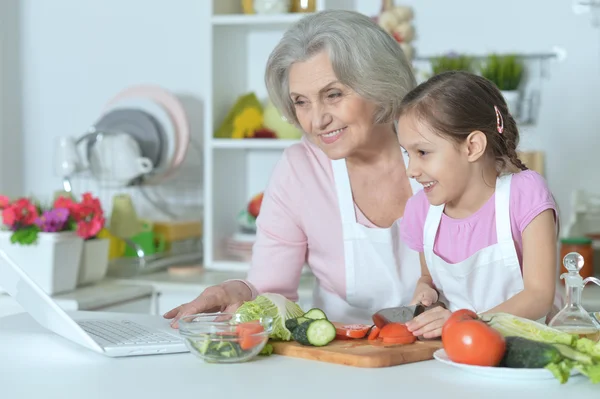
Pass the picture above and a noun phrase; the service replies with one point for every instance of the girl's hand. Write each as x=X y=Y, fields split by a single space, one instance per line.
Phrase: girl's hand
x=429 y=323
x=425 y=295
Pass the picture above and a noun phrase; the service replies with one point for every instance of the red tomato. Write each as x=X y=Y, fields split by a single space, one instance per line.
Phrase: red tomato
x=353 y=331
x=399 y=340
x=394 y=330
x=459 y=315
x=473 y=342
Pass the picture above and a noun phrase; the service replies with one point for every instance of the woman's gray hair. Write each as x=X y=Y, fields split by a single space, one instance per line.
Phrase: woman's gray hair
x=364 y=57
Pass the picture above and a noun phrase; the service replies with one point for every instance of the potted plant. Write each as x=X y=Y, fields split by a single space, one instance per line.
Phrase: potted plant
x=47 y=242
x=506 y=72
x=452 y=62
x=89 y=218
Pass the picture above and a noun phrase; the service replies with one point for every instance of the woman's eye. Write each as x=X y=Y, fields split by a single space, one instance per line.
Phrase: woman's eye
x=334 y=95
x=299 y=103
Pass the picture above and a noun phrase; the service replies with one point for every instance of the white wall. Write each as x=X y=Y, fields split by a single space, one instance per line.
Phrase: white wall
x=77 y=54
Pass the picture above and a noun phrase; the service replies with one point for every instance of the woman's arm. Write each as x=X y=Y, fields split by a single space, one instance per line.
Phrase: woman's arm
x=539 y=270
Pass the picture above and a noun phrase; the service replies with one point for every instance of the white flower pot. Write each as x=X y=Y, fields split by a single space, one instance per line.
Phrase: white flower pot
x=94 y=261
x=52 y=262
x=513 y=101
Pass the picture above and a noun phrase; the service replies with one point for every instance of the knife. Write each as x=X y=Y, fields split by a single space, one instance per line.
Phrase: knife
x=401 y=314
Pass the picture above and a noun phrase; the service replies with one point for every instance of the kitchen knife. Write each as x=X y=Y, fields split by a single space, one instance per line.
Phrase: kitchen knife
x=401 y=314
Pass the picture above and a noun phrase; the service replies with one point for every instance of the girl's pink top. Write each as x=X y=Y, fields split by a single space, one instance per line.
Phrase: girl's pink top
x=299 y=222
x=458 y=239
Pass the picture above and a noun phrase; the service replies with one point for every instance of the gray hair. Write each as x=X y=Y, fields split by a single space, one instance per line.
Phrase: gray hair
x=364 y=57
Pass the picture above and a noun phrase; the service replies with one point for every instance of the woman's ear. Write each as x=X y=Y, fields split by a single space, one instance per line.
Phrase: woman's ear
x=475 y=145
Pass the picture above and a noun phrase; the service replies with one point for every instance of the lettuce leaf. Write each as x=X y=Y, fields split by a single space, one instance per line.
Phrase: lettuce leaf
x=273 y=305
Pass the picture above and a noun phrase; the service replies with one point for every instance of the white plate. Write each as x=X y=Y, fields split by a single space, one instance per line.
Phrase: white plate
x=162 y=117
x=504 y=373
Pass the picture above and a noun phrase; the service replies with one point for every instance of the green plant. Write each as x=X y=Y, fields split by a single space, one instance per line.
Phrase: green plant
x=505 y=71
x=452 y=62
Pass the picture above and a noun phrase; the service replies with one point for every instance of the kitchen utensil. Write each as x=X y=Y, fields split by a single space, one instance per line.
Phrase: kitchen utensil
x=360 y=352
x=401 y=314
x=175 y=109
x=139 y=125
x=163 y=119
x=573 y=318
x=221 y=337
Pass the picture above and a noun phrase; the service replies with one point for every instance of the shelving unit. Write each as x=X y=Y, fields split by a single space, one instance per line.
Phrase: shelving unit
x=236 y=170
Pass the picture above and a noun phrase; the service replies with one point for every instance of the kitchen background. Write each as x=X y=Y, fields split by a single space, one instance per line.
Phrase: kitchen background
x=64 y=61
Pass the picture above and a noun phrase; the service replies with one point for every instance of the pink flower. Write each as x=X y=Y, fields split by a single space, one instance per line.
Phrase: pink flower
x=4 y=201
x=20 y=213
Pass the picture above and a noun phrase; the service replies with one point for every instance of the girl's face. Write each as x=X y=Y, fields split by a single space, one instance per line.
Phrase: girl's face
x=332 y=115
x=440 y=165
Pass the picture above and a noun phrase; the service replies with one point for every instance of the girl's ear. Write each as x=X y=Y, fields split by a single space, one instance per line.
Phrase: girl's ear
x=475 y=145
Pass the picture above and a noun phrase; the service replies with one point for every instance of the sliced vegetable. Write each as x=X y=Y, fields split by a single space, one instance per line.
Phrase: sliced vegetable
x=395 y=330
x=315 y=332
x=291 y=324
x=399 y=340
x=273 y=305
x=248 y=334
x=353 y=331
x=315 y=314
x=374 y=333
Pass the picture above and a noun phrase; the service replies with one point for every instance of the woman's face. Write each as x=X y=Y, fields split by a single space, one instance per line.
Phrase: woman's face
x=332 y=115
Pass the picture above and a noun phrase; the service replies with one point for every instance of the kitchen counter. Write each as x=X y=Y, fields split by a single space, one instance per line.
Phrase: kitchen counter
x=37 y=363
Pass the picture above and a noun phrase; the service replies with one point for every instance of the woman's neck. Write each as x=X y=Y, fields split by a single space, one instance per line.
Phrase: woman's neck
x=478 y=189
x=383 y=148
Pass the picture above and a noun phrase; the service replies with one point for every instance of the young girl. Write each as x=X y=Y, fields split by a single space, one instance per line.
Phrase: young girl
x=484 y=224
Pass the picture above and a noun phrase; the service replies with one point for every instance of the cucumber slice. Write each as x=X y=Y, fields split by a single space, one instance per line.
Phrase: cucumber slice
x=315 y=314
x=291 y=324
x=315 y=332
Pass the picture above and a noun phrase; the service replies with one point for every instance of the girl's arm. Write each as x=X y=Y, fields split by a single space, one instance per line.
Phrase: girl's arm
x=429 y=323
x=539 y=270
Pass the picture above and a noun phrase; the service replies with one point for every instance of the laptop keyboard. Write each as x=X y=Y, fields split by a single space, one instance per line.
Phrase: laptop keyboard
x=125 y=332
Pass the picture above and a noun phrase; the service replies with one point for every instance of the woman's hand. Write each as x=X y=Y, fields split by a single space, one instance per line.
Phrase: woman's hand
x=226 y=297
x=429 y=323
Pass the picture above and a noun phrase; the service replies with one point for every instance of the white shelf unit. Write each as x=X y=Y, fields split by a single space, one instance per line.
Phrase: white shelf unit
x=236 y=170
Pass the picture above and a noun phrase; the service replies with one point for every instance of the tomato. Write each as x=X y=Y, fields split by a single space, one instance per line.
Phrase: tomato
x=249 y=334
x=352 y=331
x=473 y=342
x=407 y=339
x=459 y=315
x=374 y=333
x=394 y=330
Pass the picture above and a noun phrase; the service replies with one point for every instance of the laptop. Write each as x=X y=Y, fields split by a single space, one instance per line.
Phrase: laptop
x=106 y=332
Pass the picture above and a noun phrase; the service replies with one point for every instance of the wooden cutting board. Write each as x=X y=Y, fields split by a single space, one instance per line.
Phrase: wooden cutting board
x=361 y=352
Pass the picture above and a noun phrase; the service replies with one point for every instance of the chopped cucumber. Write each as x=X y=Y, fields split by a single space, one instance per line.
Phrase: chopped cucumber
x=291 y=324
x=315 y=332
x=315 y=314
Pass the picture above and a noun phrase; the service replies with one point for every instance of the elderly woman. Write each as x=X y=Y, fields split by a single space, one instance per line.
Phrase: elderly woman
x=335 y=199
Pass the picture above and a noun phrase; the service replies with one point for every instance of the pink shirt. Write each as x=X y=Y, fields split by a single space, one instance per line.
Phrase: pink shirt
x=529 y=196
x=300 y=223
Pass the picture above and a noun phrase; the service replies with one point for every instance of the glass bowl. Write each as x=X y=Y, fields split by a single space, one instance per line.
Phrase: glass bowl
x=225 y=337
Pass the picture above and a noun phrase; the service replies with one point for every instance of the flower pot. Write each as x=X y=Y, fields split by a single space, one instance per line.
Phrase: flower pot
x=94 y=261
x=513 y=101
x=52 y=262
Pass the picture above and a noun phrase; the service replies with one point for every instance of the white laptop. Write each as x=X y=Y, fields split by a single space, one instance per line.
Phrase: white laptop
x=106 y=333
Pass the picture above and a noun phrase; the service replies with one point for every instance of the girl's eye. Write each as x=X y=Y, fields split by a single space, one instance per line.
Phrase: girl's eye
x=422 y=153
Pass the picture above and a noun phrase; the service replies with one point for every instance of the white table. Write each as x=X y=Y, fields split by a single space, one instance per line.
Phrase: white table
x=35 y=363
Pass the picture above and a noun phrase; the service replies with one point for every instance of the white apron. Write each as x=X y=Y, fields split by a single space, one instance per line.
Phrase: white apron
x=489 y=277
x=381 y=271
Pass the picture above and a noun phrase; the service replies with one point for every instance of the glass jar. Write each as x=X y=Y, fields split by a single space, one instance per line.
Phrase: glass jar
x=304 y=5
x=583 y=246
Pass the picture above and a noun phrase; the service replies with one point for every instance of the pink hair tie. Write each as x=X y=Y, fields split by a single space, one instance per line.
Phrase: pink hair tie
x=499 y=120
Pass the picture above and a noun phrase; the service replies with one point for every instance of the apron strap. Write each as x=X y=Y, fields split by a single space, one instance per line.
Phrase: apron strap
x=432 y=223
x=503 y=230
x=344 y=190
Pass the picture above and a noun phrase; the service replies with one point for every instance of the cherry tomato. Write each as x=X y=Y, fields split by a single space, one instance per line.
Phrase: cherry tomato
x=473 y=342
